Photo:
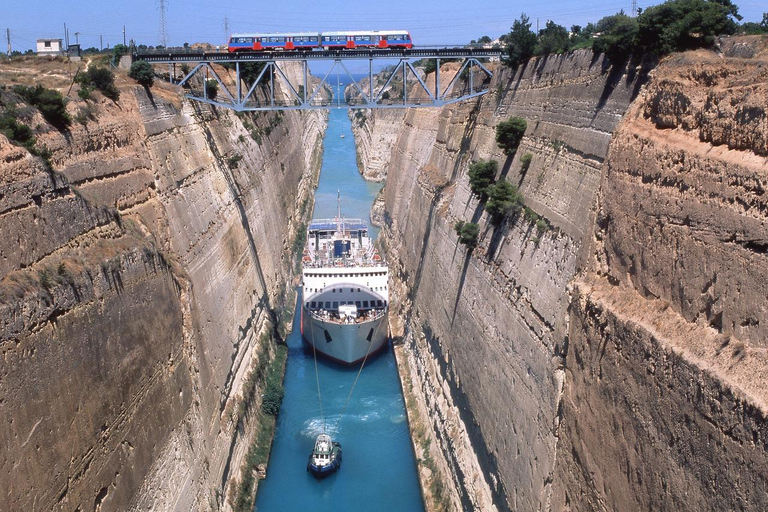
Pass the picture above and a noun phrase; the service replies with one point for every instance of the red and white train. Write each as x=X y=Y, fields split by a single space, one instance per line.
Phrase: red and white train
x=325 y=40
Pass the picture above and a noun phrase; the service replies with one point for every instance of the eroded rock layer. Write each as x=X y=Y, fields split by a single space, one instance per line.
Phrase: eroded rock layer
x=665 y=402
x=135 y=280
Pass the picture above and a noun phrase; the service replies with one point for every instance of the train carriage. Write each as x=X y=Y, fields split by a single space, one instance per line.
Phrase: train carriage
x=277 y=41
x=327 y=40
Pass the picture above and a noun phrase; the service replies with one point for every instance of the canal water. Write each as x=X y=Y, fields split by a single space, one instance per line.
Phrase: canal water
x=378 y=472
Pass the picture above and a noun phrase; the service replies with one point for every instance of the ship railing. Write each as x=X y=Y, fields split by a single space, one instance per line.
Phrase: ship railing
x=332 y=316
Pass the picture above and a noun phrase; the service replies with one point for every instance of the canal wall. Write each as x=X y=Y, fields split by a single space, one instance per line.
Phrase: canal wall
x=560 y=364
x=138 y=276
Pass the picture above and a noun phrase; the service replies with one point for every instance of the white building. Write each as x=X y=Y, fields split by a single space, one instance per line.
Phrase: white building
x=49 y=47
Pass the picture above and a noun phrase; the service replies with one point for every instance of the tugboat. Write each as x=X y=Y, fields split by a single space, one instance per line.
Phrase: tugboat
x=325 y=457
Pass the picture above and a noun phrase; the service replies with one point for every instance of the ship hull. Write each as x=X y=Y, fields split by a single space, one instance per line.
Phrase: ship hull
x=344 y=343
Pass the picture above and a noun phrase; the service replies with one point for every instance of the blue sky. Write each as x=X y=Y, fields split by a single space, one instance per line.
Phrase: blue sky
x=430 y=22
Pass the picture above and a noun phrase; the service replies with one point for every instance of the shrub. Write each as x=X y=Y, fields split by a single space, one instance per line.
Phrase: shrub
x=678 y=25
x=521 y=42
x=142 y=72
x=101 y=79
x=482 y=174
x=233 y=161
x=119 y=50
x=468 y=232
x=618 y=37
x=51 y=104
x=16 y=132
x=85 y=93
x=525 y=162
x=503 y=199
x=509 y=134
x=211 y=88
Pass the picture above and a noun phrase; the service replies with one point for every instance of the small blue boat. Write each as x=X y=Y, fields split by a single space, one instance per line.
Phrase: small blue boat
x=325 y=457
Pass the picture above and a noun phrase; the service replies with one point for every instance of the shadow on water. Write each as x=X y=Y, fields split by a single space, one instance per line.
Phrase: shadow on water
x=379 y=468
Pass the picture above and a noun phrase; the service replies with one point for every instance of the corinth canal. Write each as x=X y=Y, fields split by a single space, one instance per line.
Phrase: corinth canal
x=379 y=469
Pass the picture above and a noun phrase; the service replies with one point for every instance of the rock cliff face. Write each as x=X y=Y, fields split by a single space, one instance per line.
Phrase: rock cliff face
x=486 y=331
x=135 y=281
x=665 y=401
x=615 y=361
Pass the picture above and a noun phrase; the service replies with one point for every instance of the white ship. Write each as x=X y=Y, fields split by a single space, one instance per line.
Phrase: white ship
x=346 y=296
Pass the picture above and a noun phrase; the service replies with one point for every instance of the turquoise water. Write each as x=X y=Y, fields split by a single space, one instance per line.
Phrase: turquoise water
x=378 y=472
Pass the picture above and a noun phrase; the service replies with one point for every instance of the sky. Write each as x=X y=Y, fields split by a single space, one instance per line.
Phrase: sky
x=447 y=22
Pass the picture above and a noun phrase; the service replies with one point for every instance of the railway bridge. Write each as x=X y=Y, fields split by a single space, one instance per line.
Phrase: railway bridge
x=254 y=86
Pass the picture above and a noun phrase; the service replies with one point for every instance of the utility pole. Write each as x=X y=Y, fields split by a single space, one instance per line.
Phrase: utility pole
x=163 y=28
x=8 y=35
x=77 y=37
x=634 y=8
x=101 y=43
x=66 y=36
x=226 y=27
x=124 y=35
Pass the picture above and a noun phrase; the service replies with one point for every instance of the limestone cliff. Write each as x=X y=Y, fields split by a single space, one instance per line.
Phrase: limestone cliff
x=485 y=331
x=665 y=402
x=137 y=273
x=612 y=361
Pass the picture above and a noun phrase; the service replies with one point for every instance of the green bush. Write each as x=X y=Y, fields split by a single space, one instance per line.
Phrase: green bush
x=509 y=134
x=16 y=132
x=618 y=37
x=51 y=104
x=525 y=162
x=503 y=199
x=482 y=174
x=274 y=392
x=101 y=79
x=85 y=93
x=142 y=72
x=211 y=88
x=678 y=25
x=234 y=161
x=468 y=233
x=553 y=38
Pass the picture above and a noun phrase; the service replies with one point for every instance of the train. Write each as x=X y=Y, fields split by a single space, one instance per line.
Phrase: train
x=325 y=40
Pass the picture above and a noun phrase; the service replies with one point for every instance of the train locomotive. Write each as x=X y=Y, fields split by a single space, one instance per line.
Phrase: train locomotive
x=325 y=40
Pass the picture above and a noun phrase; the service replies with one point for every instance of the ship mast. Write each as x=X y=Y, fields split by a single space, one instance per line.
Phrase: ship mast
x=339 y=220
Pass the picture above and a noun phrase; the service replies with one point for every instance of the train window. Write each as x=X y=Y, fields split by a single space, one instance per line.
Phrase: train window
x=362 y=38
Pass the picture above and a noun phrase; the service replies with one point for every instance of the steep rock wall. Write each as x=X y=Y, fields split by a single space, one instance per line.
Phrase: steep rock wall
x=135 y=281
x=665 y=401
x=485 y=331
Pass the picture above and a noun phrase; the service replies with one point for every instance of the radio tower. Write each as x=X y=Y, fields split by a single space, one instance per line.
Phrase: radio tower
x=226 y=28
x=634 y=8
x=163 y=28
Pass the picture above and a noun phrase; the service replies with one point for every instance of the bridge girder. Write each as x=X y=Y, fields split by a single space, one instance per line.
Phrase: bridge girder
x=308 y=95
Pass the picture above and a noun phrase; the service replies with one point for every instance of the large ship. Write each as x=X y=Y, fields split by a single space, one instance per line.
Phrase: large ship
x=345 y=299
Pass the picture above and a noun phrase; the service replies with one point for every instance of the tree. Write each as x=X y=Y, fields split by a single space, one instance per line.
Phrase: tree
x=484 y=40
x=468 y=233
x=678 y=25
x=553 y=38
x=521 y=42
x=503 y=199
x=101 y=79
x=119 y=50
x=482 y=174
x=51 y=104
x=142 y=72
x=509 y=134
x=618 y=37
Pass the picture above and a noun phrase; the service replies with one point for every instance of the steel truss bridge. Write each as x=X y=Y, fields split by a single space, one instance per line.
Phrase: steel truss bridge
x=404 y=86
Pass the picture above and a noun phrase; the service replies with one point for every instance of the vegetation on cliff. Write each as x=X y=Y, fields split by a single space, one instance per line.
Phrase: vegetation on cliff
x=675 y=25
